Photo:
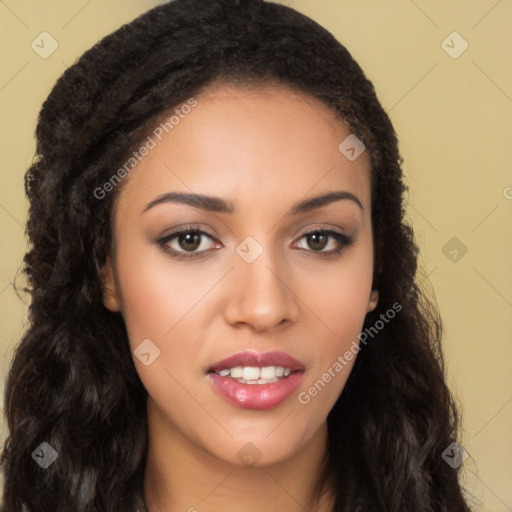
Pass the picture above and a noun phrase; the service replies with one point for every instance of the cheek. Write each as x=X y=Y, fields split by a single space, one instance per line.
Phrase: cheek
x=165 y=302
x=338 y=298
x=155 y=294
x=162 y=303
x=339 y=293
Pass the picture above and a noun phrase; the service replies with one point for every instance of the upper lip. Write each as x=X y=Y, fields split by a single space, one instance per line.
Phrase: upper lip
x=252 y=358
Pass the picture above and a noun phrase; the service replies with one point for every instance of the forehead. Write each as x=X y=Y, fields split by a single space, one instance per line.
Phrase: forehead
x=249 y=143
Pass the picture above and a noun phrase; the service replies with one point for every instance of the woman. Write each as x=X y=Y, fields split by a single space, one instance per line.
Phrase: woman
x=224 y=307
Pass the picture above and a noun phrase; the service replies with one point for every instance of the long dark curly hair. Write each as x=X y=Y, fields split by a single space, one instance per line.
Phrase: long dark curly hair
x=72 y=382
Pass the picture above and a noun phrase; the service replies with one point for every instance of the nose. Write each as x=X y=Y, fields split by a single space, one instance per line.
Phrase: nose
x=260 y=294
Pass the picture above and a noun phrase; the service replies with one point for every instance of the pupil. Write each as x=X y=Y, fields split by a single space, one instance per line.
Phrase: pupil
x=189 y=243
x=315 y=238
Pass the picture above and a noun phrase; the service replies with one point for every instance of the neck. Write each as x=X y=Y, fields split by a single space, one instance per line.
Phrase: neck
x=182 y=477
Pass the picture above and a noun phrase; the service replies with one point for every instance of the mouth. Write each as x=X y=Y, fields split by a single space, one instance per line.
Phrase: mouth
x=255 y=374
x=256 y=381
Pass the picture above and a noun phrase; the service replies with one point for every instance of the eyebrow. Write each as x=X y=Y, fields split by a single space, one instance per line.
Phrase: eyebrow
x=218 y=205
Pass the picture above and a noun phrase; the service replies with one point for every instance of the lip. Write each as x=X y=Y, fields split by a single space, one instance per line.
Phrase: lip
x=257 y=396
x=252 y=358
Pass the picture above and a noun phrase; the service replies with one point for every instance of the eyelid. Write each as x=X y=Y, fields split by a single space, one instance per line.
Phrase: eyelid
x=165 y=239
x=342 y=238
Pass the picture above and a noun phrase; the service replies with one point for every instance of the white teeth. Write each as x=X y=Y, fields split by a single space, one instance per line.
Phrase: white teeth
x=251 y=373
x=255 y=374
x=268 y=372
x=236 y=372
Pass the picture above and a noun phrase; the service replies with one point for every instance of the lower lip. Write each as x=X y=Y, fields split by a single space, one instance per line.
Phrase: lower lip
x=256 y=396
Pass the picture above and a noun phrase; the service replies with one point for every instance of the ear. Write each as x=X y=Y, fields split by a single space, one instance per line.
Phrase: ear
x=111 y=296
x=374 y=299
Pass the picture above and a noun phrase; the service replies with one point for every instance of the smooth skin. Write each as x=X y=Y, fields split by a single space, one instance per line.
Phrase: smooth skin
x=262 y=150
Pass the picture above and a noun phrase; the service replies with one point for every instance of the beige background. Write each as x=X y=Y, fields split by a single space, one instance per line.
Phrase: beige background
x=453 y=117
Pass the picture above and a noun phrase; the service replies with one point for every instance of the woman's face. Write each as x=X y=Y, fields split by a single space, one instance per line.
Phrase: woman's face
x=247 y=279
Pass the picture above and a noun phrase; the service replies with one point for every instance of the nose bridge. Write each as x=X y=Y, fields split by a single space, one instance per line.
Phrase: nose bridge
x=259 y=294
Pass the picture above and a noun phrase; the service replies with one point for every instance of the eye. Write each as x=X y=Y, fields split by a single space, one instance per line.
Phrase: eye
x=185 y=242
x=318 y=240
x=189 y=242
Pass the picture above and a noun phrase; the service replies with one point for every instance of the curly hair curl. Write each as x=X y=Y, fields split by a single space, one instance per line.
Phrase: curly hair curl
x=73 y=382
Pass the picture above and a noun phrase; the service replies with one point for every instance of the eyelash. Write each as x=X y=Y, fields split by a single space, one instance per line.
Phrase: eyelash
x=343 y=240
